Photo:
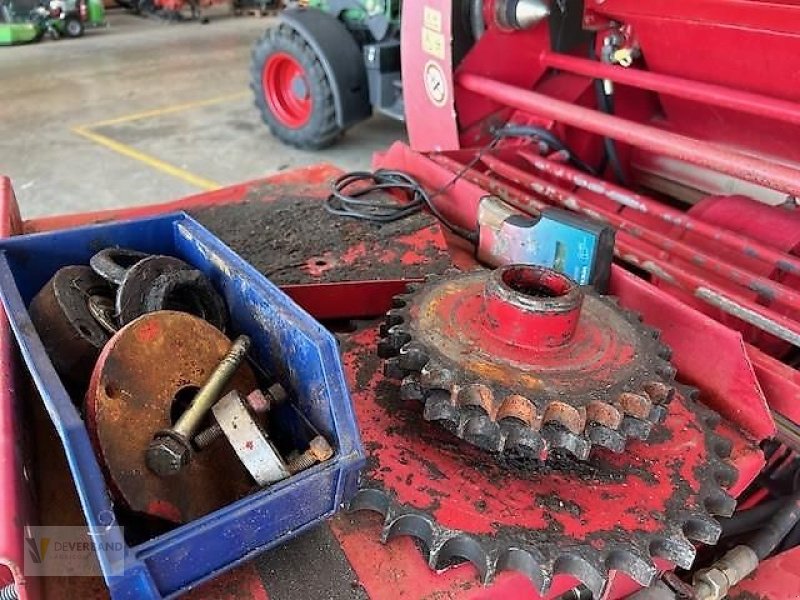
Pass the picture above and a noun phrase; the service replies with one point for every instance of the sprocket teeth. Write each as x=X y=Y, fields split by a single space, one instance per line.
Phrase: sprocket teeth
x=394 y=316
x=370 y=499
x=634 y=405
x=392 y=368
x=701 y=527
x=416 y=526
x=435 y=376
x=477 y=396
x=413 y=356
x=605 y=421
x=635 y=428
x=397 y=336
x=480 y=430
x=386 y=349
x=640 y=568
x=528 y=561
x=659 y=392
x=600 y=435
x=465 y=547
x=410 y=387
x=522 y=441
x=676 y=549
x=590 y=571
x=439 y=409
x=725 y=474
x=718 y=502
x=665 y=370
x=559 y=437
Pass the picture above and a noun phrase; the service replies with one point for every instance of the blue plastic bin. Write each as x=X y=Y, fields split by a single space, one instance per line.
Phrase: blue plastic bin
x=308 y=364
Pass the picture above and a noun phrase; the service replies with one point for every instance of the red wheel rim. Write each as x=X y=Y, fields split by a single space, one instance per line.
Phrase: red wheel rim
x=286 y=90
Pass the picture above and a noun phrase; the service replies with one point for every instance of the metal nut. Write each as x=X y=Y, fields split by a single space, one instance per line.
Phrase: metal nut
x=710 y=584
x=167 y=454
x=320 y=449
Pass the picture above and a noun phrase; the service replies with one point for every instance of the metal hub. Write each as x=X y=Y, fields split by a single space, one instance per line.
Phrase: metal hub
x=522 y=360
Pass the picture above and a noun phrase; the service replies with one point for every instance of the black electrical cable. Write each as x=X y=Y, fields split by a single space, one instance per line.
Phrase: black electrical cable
x=606 y=104
x=548 y=138
x=348 y=203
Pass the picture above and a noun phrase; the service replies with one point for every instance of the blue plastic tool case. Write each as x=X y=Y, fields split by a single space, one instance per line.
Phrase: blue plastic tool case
x=285 y=340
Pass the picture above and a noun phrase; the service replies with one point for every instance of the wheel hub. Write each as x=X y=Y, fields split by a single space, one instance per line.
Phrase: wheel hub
x=523 y=360
x=286 y=90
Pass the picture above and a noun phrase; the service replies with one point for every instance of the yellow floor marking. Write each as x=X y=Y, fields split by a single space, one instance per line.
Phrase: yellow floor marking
x=150 y=161
x=165 y=110
x=85 y=131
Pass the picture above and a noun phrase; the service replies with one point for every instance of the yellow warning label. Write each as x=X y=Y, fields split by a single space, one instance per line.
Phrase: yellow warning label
x=433 y=43
x=432 y=19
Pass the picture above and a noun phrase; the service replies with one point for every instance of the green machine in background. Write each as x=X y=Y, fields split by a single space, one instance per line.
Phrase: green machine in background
x=325 y=66
x=22 y=21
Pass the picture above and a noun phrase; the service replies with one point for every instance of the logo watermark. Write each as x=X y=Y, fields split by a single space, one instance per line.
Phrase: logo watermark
x=57 y=551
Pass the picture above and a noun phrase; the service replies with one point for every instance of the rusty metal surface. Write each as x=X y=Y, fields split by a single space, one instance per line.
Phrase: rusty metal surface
x=130 y=398
x=607 y=382
x=61 y=315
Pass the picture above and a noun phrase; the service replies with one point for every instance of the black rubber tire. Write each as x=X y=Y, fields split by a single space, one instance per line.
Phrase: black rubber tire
x=73 y=27
x=322 y=130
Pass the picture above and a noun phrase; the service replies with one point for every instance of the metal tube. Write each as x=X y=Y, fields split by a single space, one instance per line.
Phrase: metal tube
x=693 y=151
x=746 y=246
x=716 y=95
x=631 y=251
x=191 y=418
x=768 y=288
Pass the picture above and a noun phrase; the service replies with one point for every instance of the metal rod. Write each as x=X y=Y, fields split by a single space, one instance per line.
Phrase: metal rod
x=191 y=418
x=716 y=95
x=732 y=303
x=748 y=247
x=764 y=286
x=693 y=151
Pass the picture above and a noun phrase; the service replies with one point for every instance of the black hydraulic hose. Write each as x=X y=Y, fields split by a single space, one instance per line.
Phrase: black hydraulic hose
x=605 y=103
x=791 y=540
x=548 y=138
x=751 y=519
x=777 y=528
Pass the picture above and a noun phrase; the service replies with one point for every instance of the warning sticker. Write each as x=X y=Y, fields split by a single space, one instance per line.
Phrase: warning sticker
x=433 y=42
x=435 y=83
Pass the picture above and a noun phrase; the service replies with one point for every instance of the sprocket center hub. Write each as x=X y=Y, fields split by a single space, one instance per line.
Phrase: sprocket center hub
x=522 y=359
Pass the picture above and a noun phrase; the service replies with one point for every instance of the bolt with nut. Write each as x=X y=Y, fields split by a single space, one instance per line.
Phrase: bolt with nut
x=319 y=450
x=170 y=449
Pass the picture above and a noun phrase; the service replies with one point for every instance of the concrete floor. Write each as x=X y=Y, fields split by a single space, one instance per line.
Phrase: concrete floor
x=183 y=116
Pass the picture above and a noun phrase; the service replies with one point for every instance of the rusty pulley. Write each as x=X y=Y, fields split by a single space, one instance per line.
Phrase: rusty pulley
x=147 y=373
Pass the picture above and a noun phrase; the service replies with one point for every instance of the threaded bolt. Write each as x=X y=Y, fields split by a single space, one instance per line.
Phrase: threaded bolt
x=9 y=592
x=319 y=450
x=170 y=450
x=259 y=403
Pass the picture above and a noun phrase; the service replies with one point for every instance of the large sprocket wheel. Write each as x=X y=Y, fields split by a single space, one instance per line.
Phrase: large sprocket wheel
x=522 y=360
x=292 y=91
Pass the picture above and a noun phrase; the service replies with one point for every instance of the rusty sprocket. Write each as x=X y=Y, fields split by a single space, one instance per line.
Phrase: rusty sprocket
x=522 y=360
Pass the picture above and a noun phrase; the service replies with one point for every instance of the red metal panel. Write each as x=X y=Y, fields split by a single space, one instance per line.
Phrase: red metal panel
x=728 y=380
x=427 y=68
x=16 y=507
